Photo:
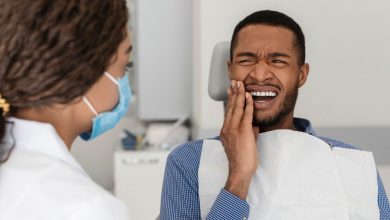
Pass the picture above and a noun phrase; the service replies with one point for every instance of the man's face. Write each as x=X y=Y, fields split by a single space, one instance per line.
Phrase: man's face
x=266 y=60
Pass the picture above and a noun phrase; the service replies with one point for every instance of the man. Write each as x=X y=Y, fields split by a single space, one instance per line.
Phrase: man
x=308 y=177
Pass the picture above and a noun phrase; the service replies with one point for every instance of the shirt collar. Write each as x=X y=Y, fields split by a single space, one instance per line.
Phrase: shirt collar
x=38 y=137
x=304 y=125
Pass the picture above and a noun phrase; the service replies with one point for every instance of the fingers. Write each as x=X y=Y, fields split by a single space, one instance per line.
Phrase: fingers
x=231 y=100
x=232 y=95
x=239 y=111
x=248 y=113
x=238 y=105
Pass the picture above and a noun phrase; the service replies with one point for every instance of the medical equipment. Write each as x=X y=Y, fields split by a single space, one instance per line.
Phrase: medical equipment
x=166 y=136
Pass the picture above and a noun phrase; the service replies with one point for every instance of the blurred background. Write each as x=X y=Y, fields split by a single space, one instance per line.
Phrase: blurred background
x=345 y=97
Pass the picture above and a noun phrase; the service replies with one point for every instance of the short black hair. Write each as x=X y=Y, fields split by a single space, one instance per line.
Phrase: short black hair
x=272 y=18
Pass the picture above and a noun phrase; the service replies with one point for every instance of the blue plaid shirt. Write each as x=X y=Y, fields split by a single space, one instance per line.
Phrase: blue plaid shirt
x=180 y=198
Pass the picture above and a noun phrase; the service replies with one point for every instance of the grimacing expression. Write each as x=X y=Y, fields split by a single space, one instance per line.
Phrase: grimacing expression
x=266 y=60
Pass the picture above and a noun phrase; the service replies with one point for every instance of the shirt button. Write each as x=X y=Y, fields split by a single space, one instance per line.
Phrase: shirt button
x=244 y=218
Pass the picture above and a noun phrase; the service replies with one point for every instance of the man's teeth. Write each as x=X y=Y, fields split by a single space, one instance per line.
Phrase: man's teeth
x=271 y=94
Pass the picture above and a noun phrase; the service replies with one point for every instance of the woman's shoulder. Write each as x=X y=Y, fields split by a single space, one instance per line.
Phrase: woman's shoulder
x=44 y=183
x=74 y=190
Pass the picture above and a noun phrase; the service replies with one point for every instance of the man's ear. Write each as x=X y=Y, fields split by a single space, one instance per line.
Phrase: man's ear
x=303 y=74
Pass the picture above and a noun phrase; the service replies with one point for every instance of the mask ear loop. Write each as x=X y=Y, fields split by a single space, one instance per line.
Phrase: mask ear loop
x=88 y=103
x=111 y=78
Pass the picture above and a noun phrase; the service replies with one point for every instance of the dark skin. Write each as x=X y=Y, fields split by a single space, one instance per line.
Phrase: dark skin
x=265 y=59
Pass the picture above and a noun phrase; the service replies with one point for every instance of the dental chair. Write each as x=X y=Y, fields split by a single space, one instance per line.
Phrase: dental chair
x=219 y=80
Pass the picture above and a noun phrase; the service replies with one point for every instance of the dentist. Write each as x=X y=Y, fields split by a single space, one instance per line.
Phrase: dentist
x=62 y=75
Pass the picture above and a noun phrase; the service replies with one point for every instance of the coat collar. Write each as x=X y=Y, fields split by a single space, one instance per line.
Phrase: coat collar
x=38 y=137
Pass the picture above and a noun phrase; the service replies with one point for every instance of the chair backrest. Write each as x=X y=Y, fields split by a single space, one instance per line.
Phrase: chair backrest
x=219 y=75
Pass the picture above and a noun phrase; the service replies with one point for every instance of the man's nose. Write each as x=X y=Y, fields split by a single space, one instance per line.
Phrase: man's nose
x=261 y=72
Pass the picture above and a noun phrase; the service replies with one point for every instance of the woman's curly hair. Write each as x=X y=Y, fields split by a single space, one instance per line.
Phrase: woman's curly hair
x=53 y=51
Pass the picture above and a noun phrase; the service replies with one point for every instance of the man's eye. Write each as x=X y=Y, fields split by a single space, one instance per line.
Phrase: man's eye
x=246 y=62
x=278 y=61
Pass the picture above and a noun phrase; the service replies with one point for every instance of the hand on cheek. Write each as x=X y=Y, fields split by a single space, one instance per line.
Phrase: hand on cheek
x=238 y=137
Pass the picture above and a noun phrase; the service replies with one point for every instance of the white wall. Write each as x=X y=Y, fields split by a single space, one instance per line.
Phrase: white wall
x=347 y=47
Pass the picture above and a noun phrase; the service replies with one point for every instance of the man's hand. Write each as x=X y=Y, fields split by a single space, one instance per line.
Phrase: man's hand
x=238 y=137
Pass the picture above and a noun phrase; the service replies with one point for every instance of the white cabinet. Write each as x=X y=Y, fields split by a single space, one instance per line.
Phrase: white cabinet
x=138 y=177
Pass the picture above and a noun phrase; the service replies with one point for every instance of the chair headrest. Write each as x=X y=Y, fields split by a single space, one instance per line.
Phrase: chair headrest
x=219 y=74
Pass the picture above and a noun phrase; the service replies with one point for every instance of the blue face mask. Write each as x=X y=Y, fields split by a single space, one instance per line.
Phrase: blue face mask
x=108 y=120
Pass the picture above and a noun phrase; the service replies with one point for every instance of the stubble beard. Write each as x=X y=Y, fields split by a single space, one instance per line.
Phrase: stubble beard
x=283 y=110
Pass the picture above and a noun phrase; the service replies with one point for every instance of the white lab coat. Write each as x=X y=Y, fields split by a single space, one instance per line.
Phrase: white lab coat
x=41 y=180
